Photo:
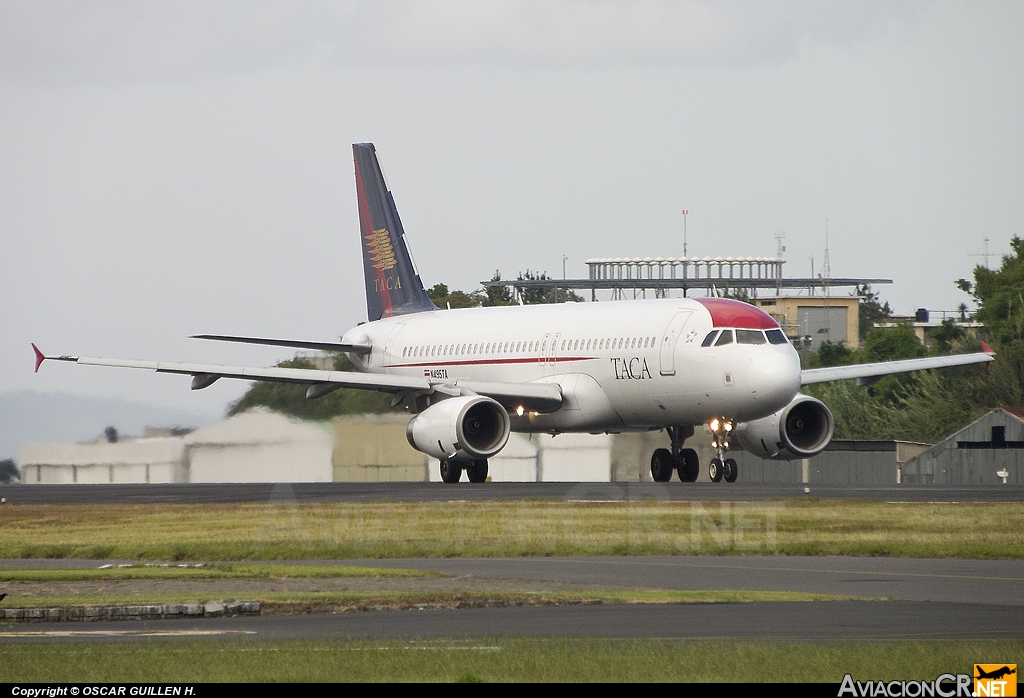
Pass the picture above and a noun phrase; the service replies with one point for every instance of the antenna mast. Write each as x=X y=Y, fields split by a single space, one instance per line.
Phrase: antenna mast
x=826 y=269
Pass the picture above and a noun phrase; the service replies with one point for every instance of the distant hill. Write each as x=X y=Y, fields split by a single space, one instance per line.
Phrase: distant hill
x=27 y=415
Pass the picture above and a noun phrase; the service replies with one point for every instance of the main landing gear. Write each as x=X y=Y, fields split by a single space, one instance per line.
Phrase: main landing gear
x=683 y=461
x=476 y=471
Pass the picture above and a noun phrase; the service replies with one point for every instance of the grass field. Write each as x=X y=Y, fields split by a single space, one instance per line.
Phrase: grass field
x=493 y=659
x=287 y=530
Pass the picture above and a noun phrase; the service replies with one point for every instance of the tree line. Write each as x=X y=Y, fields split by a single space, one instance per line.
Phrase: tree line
x=926 y=406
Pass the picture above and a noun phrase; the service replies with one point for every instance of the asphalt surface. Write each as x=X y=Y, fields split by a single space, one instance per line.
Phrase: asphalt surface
x=929 y=600
x=998 y=582
x=832 y=621
x=199 y=493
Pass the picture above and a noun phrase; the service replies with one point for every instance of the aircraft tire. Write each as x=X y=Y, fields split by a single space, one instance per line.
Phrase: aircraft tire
x=477 y=470
x=688 y=465
x=715 y=470
x=662 y=465
x=731 y=470
x=451 y=472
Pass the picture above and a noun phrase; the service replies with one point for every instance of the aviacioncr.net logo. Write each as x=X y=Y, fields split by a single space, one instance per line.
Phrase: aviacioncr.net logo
x=945 y=686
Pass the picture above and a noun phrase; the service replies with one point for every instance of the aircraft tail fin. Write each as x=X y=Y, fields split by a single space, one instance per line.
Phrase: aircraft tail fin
x=393 y=285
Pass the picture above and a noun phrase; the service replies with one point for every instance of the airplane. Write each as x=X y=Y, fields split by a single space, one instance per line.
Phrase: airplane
x=996 y=673
x=471 y=376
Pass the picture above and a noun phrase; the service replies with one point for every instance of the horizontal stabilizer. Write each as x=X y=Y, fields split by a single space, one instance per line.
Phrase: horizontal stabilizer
x=884 y=368
x=294 y=343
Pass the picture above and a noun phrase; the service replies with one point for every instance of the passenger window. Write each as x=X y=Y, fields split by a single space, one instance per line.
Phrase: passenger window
x=710 y=339
x=776 y=336
x=750 y=337
x=725 y=338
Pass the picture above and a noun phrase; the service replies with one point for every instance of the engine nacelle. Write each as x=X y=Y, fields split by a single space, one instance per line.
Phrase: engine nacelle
x=460 y=428
x=801 y=429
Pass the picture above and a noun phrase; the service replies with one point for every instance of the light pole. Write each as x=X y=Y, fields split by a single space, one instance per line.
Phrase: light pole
x=685 y=256
x=564 y=260
x=685 y=211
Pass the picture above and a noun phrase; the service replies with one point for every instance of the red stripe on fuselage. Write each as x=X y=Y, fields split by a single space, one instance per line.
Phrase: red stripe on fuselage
x=729 y=313
x=492 y=362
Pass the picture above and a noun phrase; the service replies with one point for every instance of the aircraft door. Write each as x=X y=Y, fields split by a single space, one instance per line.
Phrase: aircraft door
x=669 y=341
x=389 y=345
x=545 y=345
x=553 y=351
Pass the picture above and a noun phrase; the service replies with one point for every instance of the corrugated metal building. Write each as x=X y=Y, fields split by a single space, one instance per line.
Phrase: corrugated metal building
x=988 y=451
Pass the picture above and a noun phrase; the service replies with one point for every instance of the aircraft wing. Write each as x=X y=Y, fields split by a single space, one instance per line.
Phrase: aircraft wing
x=536 y=397
x=293 y=343
x=877 y=370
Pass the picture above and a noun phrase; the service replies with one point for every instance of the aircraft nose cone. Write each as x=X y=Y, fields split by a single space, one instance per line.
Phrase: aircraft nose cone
x=775 y=377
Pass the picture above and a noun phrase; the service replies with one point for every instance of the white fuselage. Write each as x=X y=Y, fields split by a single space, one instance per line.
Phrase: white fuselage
x=625 y=365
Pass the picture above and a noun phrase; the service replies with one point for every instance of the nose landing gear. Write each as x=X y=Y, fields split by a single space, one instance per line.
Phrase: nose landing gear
x=721 y=467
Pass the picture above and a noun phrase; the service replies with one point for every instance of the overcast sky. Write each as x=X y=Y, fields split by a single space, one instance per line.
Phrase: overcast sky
x=173 y=168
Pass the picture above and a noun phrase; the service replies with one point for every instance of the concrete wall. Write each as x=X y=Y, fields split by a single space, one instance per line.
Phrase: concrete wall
x=573 y=457
x=373 y=448
x=128 y=460
x=260 y=446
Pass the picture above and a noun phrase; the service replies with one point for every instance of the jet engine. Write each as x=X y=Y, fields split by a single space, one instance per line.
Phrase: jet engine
x=801 y=429
x=463 y=428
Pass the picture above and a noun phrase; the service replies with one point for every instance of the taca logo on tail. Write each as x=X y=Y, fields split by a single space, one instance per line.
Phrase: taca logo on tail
x=393 y=285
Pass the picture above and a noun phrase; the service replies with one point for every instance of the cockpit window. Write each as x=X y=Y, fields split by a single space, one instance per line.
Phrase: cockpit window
x=776 y=336
x=709 y=340
x=725 y=338
x=749 y=337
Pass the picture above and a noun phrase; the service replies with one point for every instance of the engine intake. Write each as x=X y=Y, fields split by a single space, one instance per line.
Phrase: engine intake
x=460 y=428
x=801 y=429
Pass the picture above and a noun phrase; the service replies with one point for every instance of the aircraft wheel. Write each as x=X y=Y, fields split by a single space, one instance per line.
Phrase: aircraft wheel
x=661 y=465
x=688 y=465
x=715 y=470
x=477 y=471
x=450 y=471
x=731 y=470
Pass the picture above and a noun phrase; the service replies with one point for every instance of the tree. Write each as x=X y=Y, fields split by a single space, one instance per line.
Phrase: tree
x=870 y=310
x=9 y=471
x=947 y=337
x=834 y=354
x=1000 y=296
x=291 y=399
x=498 y=295
x=443 y=299
x=892 y=344
x=536 y=296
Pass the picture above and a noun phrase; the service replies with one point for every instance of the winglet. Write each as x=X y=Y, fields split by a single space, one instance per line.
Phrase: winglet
x=988 y=350
x=39 y=356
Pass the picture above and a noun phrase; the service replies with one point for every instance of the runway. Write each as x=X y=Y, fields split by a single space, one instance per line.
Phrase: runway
x=927 y=600
x=811 y=621
x=207 y=493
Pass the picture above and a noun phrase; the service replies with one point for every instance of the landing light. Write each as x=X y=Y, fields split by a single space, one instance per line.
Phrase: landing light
x=519 y=411
x=713 y=424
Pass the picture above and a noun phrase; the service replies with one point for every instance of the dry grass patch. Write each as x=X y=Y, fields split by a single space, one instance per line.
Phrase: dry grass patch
x=470 y=529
